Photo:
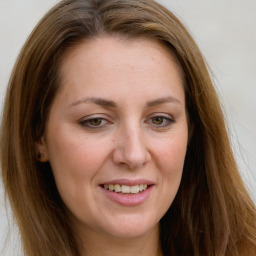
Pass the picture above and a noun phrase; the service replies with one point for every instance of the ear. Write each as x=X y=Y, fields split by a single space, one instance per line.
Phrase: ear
x=41 y=150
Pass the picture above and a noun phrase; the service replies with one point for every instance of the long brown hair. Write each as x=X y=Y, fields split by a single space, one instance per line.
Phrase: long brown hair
x=212 y=213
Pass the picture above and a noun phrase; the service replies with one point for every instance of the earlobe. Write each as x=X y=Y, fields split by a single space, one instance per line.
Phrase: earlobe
x=41 y=150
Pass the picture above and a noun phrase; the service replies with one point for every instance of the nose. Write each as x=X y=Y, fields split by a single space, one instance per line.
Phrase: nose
x=131 y=148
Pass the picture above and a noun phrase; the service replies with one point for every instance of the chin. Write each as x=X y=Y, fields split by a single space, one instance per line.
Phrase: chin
x=131 y=228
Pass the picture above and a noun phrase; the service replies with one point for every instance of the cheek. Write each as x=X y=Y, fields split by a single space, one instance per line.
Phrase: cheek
x=171 y=155
x=72 y=152
x=75 y=160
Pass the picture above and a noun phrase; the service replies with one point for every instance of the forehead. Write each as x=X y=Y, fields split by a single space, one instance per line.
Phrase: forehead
x=107 y=64
x=129 y=48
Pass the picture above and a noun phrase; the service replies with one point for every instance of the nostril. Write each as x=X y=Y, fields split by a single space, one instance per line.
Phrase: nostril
x=131 y=152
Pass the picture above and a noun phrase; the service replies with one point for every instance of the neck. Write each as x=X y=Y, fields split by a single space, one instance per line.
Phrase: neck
x=93 y=244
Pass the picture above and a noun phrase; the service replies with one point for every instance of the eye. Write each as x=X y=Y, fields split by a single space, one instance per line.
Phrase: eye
x=93 y=122
x=160 y=120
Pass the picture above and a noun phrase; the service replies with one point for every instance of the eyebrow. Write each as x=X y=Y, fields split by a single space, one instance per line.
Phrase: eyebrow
x=98 y=101
x=112 y=104
x=163 y=100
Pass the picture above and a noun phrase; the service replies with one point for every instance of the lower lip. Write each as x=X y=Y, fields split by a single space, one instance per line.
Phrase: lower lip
x=128 y=199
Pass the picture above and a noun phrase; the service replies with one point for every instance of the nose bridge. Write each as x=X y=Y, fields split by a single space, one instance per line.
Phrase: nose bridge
x=131 y=148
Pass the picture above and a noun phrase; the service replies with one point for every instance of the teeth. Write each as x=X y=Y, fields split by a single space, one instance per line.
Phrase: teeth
x=135 y=189
x=118 y=188
x=124 y=189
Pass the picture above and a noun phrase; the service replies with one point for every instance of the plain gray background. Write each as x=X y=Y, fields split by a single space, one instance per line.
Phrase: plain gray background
x=225 y=31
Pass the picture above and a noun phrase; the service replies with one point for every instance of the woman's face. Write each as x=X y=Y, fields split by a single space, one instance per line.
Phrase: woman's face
x=117 y=134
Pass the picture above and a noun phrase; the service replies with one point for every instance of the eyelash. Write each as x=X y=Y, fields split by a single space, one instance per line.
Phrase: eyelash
x=87 y=122
x=167 y=120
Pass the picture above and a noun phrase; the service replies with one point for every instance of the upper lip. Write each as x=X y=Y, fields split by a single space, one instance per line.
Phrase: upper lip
x=128 y=182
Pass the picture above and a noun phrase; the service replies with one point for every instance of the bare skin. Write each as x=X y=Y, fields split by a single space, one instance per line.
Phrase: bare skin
x=116 y=139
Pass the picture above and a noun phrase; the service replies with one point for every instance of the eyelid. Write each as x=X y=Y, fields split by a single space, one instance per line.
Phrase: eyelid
x=162 y=114
x=85 y=119
x=169 y=118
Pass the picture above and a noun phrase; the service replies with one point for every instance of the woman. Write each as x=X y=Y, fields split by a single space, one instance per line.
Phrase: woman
x=113 y=139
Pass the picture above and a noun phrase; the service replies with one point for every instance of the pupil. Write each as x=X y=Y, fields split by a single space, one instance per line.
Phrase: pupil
x=96 y=121
x=158 y=120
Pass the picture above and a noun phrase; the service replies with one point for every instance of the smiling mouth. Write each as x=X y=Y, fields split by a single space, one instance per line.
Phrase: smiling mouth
x=124 y=189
